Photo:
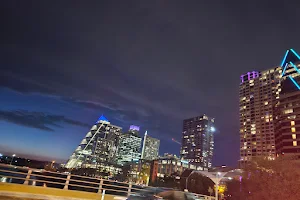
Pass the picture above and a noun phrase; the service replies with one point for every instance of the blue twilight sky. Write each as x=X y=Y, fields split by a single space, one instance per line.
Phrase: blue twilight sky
x=152 y=64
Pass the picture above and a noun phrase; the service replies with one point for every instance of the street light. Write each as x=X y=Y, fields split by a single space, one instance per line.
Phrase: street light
x=186 y=181
x=52 y=163
x=12 y=158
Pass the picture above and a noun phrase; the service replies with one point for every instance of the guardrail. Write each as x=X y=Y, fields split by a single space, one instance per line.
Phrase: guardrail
x=67 y=181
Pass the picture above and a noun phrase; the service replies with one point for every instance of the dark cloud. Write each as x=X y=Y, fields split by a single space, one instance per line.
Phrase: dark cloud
x=38 y=120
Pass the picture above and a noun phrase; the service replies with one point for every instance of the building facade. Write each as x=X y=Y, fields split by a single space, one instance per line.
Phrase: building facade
x=129 y=146
x=287 y=134
x=170 y=165
x=269 y=110
x=198 y=141
x=98 y=146
x=259 y=93
x=150 y=147
x=140 y=171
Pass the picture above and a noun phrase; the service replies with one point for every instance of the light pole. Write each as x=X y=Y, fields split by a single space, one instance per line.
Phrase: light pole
x=52 y=163
x=216 y=178
x=217 y=181
x=186 y=181
x=12 y=158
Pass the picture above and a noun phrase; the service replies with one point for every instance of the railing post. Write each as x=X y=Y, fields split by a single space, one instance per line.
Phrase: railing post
x=27 y=177
x=67 y=182
x=129 y=189
x=103 y=194
x=100 y=186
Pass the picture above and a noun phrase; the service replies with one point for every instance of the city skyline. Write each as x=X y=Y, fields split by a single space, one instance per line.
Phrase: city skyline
x=149 y=64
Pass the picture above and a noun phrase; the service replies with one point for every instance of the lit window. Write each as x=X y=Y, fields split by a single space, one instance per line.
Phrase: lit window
x=293 y=129
x=294 y=136
x=267 y=120
x=266 y=103
x=294 y=143
x=287 y=111
x=292 y=123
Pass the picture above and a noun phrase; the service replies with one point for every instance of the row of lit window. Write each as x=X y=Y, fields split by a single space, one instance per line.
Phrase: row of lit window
x=293 y=130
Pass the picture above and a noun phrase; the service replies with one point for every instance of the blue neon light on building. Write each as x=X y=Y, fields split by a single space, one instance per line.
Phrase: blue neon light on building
x=102 y=118
x=291 y=56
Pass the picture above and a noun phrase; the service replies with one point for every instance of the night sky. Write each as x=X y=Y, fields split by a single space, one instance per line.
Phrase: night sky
x=147 y=63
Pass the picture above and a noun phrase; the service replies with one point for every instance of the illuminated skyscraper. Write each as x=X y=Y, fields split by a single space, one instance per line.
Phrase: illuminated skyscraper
x=129 y=146
x=270 y=110
x=198 y=141
x=287 y=136
x=98 y=146
x=259 y=93
x=150 y=147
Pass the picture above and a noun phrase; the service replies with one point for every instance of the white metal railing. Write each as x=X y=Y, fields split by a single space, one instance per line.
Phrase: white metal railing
x=36 y=177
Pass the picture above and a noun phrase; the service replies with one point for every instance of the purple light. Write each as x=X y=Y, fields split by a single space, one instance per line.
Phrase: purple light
x=249 y=75
x=255 y=74
x=134 y=128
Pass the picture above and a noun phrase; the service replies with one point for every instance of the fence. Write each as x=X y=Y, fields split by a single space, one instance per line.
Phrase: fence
x=67 y=181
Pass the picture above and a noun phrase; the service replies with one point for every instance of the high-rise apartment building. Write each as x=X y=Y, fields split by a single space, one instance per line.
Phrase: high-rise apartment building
x=287 y=134
x=129 y=146
x=198 y=141
x=259 y=93
x=98 y=146
x=150 y=147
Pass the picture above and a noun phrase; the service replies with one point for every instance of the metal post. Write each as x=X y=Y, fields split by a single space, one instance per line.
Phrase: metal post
x=100 y=186
x=103 y=194
x=27 y=177
x=186 y=181
x=217 y=196
x=67 y=182
x=13 y=156
x=129 y=189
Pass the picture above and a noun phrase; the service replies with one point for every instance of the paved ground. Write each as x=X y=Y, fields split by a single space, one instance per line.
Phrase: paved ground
x=15 y=198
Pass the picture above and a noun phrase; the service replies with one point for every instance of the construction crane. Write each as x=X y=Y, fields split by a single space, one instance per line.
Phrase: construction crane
x=176 y=141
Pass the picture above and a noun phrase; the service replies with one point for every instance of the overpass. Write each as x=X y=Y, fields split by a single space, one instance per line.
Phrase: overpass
x=26 y=183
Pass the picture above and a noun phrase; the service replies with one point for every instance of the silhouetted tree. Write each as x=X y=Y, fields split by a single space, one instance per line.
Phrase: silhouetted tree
x=268 y=179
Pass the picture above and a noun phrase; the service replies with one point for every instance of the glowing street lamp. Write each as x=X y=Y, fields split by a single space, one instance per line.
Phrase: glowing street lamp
x=52 y=163
x=13 y=156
